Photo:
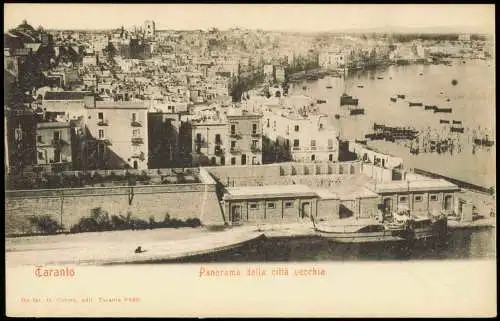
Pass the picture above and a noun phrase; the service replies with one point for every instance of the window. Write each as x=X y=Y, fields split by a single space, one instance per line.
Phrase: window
x=330 y=144
x=100 y=116
x=134 y=117
x=57 y=135
x=330 y=157
x=217 y=139
x=243 y=159
x=418 y=198
x=39 y=138
x=296 y=128
x=288 y=204
x=254 y=128
x=403 y=199
x=254 y=206
x=255 y=144
x=434 y=197
x=233 y=144
x=233 y=129
x=271 y=205
x=313 y=144
x=268 y=123
x=295 y=143
x=136 y=132
x=313 y=157
x=101 y=133
x=233 y=160
x=198 y=138
x=40 y=155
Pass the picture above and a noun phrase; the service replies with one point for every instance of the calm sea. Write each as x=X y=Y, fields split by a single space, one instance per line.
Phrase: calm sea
x=460 y=244
x=472 y=100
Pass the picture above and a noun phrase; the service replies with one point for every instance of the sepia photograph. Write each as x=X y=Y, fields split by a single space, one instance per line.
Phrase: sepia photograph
x=326 y=159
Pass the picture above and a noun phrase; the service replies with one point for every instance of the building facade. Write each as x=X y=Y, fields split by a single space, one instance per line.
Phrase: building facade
x=272 y=204
x=53 y=144
x=119 y=132
x=245 y=138
x=300 y=137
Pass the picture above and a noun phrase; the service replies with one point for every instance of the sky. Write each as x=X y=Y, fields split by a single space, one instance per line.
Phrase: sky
x=296 y=17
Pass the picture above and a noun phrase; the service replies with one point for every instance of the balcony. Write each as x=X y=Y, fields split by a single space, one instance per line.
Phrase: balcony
x=235 y=135
x=255 y=149
x=57 y=143
x=135 y=124
x=218 y=151
x=295 y=148
x=235 y=150
x=330 y=147
x=256 y=134
x=201 y=144
x=137 y=141
x=313 y=147
x=102 y=122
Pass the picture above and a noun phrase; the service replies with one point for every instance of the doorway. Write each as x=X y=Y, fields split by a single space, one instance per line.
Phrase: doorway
x=306 y=210
x=448 y=202
x=236 y=214
x=387 y=206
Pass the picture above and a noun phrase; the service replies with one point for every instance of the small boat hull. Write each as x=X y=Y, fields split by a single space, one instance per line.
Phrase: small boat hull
x=386 y=236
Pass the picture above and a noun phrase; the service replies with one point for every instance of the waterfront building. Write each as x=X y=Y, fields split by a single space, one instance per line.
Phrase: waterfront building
x=119 y=132
x=332 y=59
x=418 y=194
x=372 y=156
x=53 y=145
x=298 y=136
x=272 y=203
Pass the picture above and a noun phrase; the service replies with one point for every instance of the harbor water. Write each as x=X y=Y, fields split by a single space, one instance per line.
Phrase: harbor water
x=472 y=100
x=458 y=245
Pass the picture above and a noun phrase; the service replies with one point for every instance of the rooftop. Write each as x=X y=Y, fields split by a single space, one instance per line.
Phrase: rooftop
x=52 y=124
x=66 y=95
x=269 y=191
x=120 y=105
x=416 y=185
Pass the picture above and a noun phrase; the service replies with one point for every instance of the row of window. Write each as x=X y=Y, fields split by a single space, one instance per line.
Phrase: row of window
x=100 y=116
x=296 y=143
x=135 y=133
x=233 y=129
x=418 y=198
x=271 y=205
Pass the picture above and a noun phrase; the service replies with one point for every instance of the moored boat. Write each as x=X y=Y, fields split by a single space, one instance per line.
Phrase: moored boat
x=393 y=99
x=415 y=104
x=401 y=96
x=402 y=227
x=443 y=110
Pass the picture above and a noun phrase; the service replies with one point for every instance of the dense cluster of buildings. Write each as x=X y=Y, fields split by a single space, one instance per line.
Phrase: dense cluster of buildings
x=144 y=98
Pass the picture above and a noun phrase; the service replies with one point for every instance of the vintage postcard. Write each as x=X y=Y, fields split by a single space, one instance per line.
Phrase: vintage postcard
x=250 y=160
